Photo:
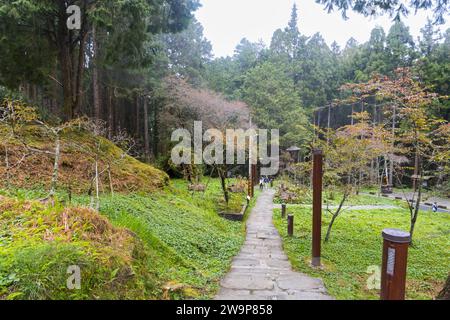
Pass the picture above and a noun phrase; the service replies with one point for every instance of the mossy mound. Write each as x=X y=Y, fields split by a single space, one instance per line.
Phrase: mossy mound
x=30 y=160
x=39 y=244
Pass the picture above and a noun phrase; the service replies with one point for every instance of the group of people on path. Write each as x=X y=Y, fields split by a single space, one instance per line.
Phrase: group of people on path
x=264 y=183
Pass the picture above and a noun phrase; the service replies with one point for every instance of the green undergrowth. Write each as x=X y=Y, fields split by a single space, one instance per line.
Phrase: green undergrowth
x=39 y=243
x=355 y=248
x=174 y=245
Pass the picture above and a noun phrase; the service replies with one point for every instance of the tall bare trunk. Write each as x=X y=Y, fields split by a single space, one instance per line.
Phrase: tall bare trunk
x=8 y=174
x=78 y=99
x=137 y=117
x=146 y=133
x=55 y=165
x=372 y=163
x=330 y=226
x=155 y=132
x=352 y=120
x=71 y=62
x=391 y=160
x=328 y=124
x=95 y=77
x=110 y=114
x=97 y=197
x=416 y=171
x=66 y=79
x=415 y=213
x=223 y=184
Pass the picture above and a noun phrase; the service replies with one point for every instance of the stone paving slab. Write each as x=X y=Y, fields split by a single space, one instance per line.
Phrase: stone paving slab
x=262 y=271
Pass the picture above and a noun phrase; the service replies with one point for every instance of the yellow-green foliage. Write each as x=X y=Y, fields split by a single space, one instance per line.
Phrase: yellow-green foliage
x=79 y=150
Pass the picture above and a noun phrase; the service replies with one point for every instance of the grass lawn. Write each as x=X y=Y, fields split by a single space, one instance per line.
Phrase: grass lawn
x=356 y=245
x=187 y=246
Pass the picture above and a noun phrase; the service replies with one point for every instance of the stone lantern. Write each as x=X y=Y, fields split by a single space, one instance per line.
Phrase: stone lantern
x=294 y=153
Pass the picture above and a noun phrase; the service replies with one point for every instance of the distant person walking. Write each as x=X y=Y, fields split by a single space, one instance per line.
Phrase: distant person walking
x=261 y=183
x=266 y=182
x=435 y=207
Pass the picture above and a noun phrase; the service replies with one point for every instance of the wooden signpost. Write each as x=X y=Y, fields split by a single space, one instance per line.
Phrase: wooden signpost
x=393 y=271
x=317 y=206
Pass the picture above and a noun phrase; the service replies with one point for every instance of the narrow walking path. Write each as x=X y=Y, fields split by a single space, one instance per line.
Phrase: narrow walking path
x=425 y=205
x=262 y=271
x=350 y=208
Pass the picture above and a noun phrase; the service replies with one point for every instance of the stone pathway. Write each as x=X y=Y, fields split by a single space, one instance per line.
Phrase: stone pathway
x=262 y=271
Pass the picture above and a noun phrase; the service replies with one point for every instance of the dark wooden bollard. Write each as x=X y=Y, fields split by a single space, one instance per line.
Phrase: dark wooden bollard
x=250 y=187
x=283 y=210
x=393 y=270
x=290 y=220
x=317 y=206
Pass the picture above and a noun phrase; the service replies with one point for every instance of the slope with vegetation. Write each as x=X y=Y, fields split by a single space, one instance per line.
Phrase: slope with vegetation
x=30 y=154
x=150 y=239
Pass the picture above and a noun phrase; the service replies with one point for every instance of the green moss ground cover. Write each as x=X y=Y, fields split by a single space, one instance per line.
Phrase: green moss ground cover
x=169 y=244
x=356 y=245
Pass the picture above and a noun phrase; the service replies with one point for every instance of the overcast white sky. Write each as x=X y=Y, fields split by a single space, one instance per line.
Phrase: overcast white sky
x=226 y=22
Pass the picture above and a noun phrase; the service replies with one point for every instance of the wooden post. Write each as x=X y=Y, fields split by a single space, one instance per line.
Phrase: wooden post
x=317 y=206
x=393 y=271
x=283 y=210
x=255 y=177
x=290 y=225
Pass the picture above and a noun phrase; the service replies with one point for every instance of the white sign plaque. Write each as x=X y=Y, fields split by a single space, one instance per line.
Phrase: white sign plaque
x=390 y=261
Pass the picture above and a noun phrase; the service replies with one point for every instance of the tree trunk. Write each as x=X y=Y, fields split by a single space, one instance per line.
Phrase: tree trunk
x=137 y=118
x=8 y=174
x=414 y=217
x=330 y=226
x=360 y=169
x=391 y=161
x=55 y=166
x=78 y=98
x=155 y=131
x=328 y=124
x=146 y=133
x=415 y=212
x=95 y=77
x=372 y=162
x=110 y=114
x=71 y=72
x=97 y=198
x=416 y=171
x=66 y=80
x=352 y=120
x=223 y=185
x=336 y=214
